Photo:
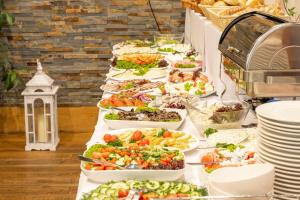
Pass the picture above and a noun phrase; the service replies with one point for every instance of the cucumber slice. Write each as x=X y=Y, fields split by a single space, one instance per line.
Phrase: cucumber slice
x=120 y=185
x=152 y=185
x=112 y=192
x=165 y=186
x=185 y=188
x=178 y=187
x=103 y=190
x=173 y=191
x=135 y=184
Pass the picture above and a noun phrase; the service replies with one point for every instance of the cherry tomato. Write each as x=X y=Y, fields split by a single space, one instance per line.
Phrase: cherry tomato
x=144 y=142
x=137 y=135
x=107 y=138
x=123 y=193
x=109 y=168
x=99 y=167
x=113 y=138
x=88 y=166
x=167 y=134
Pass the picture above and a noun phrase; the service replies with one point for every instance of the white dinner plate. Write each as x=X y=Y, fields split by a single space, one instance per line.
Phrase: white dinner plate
x=278 y=163
x=285 y=172
x=192 y=145
x=285 y=146
x=278 y=153
x=278 y=135
x=284 y=188
x=283 y=143
x=280 y=126
x=291 y=161
x=287 y=179
x=279 y=149
x=281 y=111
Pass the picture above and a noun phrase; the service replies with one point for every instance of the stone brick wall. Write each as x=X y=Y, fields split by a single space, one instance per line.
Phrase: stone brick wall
x=73 y=38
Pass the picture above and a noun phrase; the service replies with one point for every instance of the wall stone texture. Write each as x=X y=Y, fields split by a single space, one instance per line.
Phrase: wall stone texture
x=74 y=38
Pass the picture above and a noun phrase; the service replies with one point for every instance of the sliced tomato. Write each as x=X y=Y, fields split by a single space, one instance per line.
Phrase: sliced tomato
x=88 y=166
x=167 y=134
x=137 y=135
x=123 y=193
x=144 y=142
x=107 y=138
x=96 y=155
x=109 y=168
x=114 y=138
x=98 y=168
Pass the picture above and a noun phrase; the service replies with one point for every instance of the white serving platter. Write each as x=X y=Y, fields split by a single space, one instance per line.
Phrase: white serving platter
x=192 y=145
x=121 y=124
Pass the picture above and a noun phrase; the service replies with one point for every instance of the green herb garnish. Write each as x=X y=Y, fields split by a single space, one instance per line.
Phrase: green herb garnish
x=166 y=50
x=210 y=131
x=199 y=92
x=112 y=116
x=180 y=65
x=161 y=132
x=123 y=64
x=229 y=147
x=188 y=86
x=117 y=143
x=141 y=71
x=146 y=108
x=128 y=86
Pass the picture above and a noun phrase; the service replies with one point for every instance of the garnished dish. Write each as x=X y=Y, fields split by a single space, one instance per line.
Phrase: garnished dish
x=145 y=114
x=187 y=65
x=244 y=136
x=227 y=113
x=176 y=76
x=143 y=157
x=148 y=189
x=174 y=101
x=126 y=99
x=218 y=115
x=151 y=137
x=228 y=155
x=198 y=88
x=134 y=43
x=143 y=117
x=136 y=85
x=146 y=73
x=139 y=61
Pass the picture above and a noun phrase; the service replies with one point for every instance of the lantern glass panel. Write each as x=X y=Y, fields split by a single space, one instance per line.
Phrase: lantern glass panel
x=48 y=123
x=48 y=111
x=31 y=138
x=29 y=108
x=30 y=124
x=40 y=121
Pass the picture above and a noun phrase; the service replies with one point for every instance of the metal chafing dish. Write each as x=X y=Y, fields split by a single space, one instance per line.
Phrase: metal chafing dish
x=261 y=53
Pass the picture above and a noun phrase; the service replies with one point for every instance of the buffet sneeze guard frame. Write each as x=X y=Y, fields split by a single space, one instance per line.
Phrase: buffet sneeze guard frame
x=261 y=53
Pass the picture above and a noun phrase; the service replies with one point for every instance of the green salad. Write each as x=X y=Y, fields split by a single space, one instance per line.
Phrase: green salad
x=149 y=189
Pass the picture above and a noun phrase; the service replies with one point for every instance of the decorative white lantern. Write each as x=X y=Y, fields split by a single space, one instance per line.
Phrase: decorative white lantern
x=40 y=103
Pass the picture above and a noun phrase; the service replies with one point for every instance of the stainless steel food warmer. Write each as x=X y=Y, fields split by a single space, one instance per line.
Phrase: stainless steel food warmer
x=262 y=54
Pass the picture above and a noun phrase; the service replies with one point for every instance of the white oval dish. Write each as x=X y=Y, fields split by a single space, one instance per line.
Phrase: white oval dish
x=121 y=124
x=192 y=145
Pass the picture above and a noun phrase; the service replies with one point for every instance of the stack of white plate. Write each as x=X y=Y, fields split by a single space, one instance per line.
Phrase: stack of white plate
x=279 y=143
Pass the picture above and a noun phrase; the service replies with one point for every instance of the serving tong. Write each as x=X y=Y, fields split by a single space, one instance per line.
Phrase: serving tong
x=130 y=166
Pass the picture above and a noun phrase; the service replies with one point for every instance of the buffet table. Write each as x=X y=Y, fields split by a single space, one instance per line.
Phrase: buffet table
x=203 y=36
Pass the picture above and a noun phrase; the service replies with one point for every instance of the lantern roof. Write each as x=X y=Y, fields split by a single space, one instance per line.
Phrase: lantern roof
x=40 y=84
x=40 y=78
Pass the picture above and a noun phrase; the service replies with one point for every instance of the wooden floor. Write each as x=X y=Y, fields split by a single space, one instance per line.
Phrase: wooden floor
x=40 y=175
